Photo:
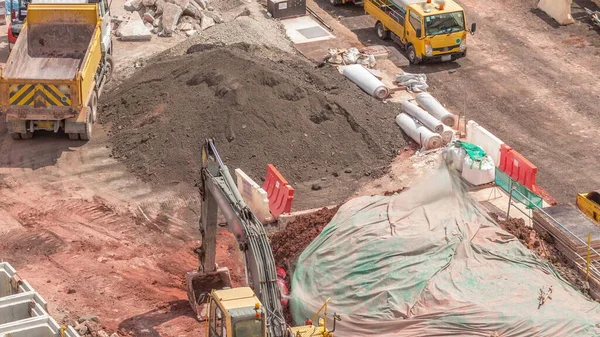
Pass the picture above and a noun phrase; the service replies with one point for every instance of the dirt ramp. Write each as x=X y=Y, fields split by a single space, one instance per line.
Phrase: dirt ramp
x=310 y=122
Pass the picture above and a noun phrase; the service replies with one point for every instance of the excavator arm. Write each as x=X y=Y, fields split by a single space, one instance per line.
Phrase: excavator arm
x=219 y=192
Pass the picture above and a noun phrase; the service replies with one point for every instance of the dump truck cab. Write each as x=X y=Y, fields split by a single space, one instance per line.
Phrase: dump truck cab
x=428 y=30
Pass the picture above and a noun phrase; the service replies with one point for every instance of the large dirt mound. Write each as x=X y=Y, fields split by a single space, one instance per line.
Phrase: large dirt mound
x=310 y=122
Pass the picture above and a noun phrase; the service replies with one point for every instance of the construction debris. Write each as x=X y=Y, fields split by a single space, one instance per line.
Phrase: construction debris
x=349 y=56
x=412 y=82
x=164 y=17
x=134 y=30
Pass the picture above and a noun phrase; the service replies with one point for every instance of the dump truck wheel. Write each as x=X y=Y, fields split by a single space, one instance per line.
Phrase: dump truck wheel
x=73 y=136
x=87 y=135
x=412 y=55
x=94 y=106
x=15 y=136
x=381 y=32
x=109 y=68
x=27 y=135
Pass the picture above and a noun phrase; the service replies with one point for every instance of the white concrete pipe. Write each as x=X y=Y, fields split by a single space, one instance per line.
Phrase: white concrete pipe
x=447 y=134
x=425 y=118
x=366 y=81
x=435 y=108
x=419 y=133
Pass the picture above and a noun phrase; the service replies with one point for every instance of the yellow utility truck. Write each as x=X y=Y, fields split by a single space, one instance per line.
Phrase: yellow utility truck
x=589 y=204
x=428 y=30
x=57 y=69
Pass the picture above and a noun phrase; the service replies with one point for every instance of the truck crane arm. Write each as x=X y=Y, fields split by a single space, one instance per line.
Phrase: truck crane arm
x=218 y=191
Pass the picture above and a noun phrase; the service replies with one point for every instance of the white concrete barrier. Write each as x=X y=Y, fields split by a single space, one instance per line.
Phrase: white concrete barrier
x=23 y=312
x=254 y=196
x=559 y=10
x=481 y=137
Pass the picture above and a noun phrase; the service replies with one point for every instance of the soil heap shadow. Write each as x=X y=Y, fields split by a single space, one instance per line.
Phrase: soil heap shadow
x=309 y=122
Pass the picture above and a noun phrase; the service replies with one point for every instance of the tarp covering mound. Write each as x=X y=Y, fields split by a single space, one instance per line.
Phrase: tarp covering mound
x=429 y=262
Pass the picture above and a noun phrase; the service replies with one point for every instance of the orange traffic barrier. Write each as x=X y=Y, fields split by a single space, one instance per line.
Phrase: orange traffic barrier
x=279 y=192
x=518 y=167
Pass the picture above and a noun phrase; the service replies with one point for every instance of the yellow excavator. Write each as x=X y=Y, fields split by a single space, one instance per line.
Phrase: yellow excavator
x=254 y=310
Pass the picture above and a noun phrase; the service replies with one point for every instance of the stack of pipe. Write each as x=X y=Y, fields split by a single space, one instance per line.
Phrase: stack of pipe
x=418 y=132
x=424 y=128
x=435 y=108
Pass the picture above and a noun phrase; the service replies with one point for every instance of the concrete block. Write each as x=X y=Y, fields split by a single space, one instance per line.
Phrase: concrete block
x=184 y=26
x=133 y=5
x=23 y=312
x=254 y=196
x=559 y=10
x=192 y=32
x=481 y=137
x=134 y=30
x=206 y=22
x=170 y=18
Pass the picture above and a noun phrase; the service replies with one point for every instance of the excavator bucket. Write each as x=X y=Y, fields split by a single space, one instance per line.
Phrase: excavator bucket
x=200 y=284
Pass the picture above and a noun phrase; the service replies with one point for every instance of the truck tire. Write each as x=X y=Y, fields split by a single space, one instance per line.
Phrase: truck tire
x=412 y=55
x=382 y=33
x=94 y=106
x=87 y=135
x=109 y=68
x=15 y=136
x=27 y=135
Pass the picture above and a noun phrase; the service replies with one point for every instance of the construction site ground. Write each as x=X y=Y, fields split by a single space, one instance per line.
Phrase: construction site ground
x=93 y=238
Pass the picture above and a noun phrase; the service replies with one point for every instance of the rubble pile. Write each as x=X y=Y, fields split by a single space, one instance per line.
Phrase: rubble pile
x=89 y=326
x=164 y=17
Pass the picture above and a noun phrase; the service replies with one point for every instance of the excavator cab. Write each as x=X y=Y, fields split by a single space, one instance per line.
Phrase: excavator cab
x=235 y=313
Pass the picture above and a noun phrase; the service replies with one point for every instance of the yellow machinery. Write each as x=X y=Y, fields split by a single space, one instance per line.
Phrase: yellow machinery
x=252 y=311
x=428 y=30
x=57 y=69
x=589 y=204
x=238 y=312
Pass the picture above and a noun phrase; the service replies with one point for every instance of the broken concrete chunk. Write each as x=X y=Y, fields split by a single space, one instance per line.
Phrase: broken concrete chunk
x=214 y=15
x=181 y=3
x=202 y=3
x=206 y=22
x=84 y=318
x=157 y=21
x=134 y=30
x=149 y=16
x=133 y=5
x=149 y=3
x=185 y=26
x=160 y=5
x=193 y=10
x=191 y=32
x=170 y=18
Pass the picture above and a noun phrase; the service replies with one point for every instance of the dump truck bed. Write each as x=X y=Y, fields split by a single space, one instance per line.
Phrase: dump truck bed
x=49 y=52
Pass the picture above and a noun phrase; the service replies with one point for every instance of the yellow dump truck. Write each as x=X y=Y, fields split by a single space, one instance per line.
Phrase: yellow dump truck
x=57 y=69
x=589 y=204
x=428 y=30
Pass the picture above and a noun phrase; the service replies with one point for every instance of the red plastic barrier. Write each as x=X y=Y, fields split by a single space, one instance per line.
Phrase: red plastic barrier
x=518 y=167
x=279 y=192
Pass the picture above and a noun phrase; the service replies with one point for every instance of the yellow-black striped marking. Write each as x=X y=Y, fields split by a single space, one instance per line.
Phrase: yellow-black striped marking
x=43 y=94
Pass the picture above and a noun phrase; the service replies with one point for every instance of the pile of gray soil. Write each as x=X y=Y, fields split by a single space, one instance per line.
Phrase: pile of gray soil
x=309 y=122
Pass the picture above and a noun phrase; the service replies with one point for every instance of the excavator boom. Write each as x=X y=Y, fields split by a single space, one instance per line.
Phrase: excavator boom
x=219 y=192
